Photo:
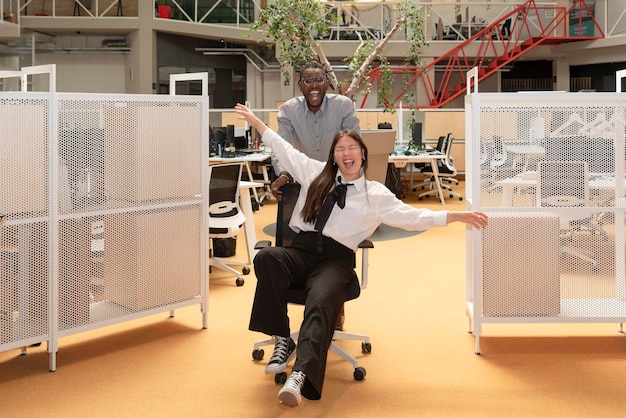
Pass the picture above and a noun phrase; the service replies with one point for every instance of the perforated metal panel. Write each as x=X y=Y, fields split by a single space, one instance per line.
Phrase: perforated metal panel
x=548 y=168
x=119 y=234
x=521 y=279
x=24 y=297
x=135 y=218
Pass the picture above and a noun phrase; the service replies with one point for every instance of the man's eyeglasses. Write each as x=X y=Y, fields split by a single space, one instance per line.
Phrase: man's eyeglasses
x=309 y=80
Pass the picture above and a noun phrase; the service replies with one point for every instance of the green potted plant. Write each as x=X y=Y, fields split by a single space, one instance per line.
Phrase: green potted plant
x=164 y=9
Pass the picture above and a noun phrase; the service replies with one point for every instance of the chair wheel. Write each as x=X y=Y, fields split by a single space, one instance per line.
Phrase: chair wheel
x=245 y=270
x=419 y=198
x=257 y=354
x=239 y=281
x=280 y=378
x=460 y=198
x=366 y=347
x=359 y=373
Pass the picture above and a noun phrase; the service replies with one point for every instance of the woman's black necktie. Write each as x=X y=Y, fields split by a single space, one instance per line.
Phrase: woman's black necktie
x=338 y=195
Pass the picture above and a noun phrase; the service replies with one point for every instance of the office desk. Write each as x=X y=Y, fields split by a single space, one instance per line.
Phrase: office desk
x=246 y=206
x=256 y=158
x=528 y=180
x=400 y=161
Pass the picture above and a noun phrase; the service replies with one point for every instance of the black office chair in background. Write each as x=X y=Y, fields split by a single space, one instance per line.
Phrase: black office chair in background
x=284 y=237
x=424 y=168
x=225 y=216
x=446 y=171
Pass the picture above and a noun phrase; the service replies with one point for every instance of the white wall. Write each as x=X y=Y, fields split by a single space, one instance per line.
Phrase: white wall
x=88 y=72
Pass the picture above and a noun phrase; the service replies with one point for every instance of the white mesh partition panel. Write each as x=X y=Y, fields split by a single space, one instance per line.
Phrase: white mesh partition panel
x=104 y=209
x=130 y=236
x=548 y=168
x=24 y=296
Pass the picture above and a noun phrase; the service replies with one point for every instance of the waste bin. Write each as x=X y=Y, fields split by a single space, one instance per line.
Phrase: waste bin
x=224 y=247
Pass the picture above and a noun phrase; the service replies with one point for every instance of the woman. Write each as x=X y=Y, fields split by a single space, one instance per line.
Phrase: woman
x=321 y=258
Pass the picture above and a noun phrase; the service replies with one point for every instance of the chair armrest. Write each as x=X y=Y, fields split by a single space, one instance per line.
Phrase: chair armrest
x=262 y=244
x=366 y=244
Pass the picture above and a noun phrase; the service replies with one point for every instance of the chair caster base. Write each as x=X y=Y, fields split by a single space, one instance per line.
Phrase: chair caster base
x=359 y=373
x=280 y=378
x=258 y=354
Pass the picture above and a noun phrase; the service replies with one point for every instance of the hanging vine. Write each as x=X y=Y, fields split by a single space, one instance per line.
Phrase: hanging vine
x=295 y=25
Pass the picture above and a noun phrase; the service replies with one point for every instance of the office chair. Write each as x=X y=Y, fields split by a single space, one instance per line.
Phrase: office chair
x=284 y=237
x=565 y=184
x=424 y=168
x=225 y=216
x=447 y=171
x=501 y=164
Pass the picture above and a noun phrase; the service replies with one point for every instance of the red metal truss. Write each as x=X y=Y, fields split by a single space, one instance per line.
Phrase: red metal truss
x=491 y=42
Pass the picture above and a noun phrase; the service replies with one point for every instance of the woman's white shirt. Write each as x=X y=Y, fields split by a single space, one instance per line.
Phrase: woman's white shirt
x=368 y=203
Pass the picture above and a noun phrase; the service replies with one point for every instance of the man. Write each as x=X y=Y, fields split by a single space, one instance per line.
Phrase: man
x=309 y=122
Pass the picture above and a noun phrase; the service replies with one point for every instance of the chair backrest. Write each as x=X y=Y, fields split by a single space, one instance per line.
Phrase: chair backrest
x=441 y=143
x=562 y=184
x=499 y=152
x=224 y=189
x=448 y=162
x=284 y=234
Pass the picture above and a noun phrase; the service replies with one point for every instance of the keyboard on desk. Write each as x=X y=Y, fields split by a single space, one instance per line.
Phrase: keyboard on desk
x=246 y=151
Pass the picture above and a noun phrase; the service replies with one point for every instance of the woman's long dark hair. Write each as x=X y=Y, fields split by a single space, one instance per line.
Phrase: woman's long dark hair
x=324 y=183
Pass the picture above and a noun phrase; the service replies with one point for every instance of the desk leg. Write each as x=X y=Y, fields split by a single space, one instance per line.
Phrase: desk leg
x=267 y=192
x=249 y=229
x=250 y=178
x=438 y=182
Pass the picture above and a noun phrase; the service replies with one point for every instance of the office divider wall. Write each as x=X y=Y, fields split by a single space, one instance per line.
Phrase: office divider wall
x=548 y=168
x=104 y=211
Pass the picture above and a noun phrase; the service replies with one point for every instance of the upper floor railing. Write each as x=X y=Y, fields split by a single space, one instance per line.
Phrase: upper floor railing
x=348 y=19
x=64 y=8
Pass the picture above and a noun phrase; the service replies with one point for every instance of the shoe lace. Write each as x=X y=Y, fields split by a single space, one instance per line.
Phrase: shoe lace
x=281 y=346
x=296 y=380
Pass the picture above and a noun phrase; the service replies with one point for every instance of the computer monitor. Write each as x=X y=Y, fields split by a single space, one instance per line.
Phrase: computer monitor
x=379 y=144
x=230 y=135
x=241 y=139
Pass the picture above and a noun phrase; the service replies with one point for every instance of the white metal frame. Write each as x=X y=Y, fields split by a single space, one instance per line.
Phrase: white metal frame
x=597 y=310
x=54 y=214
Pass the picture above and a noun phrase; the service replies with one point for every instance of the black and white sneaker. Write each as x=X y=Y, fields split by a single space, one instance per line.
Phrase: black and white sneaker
x=284 y=351
x=290 y=392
